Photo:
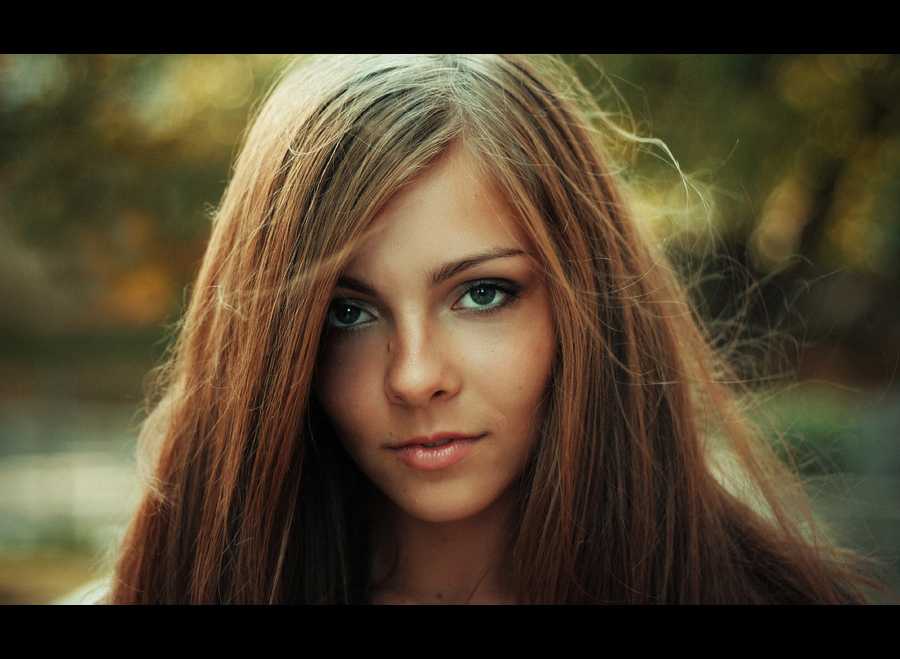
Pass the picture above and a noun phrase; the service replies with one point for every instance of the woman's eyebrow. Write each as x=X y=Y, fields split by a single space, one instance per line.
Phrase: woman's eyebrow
x=439 y=275
x=444 y=272
x=356 y=285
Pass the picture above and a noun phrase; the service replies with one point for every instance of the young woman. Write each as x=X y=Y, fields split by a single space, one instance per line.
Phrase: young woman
x=431 y=357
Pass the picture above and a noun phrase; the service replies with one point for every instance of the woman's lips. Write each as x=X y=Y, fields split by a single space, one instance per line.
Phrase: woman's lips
x=438 y=451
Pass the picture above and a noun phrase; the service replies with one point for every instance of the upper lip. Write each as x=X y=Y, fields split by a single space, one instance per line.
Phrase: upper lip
x=438 y=437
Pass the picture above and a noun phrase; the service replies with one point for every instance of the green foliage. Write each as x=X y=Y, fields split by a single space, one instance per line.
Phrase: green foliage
x=813 y=428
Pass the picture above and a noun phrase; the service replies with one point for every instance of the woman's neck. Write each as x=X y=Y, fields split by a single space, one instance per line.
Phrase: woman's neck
x=460 y=562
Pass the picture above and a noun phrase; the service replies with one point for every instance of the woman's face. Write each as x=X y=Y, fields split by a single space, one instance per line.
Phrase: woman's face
x=438 y=352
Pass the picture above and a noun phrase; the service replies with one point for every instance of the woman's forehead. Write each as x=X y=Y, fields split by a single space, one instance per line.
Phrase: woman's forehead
x=449 y=209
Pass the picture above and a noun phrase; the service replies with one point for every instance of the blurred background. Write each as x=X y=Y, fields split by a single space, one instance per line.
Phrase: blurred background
x=110 y=167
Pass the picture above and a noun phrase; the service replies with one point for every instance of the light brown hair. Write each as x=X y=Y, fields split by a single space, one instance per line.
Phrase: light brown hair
x=250 y=498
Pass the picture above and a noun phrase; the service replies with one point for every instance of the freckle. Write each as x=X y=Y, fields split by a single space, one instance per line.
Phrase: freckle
x=439 y=596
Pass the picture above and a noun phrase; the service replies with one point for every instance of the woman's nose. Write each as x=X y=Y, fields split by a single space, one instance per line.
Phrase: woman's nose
x=421 y=367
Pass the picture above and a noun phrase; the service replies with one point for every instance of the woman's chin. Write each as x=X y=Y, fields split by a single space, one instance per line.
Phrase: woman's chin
x=450 y=508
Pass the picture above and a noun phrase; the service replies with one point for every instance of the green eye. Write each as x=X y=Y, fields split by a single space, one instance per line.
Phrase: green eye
x=483 y=294
x=345 y=314
x=488 y=296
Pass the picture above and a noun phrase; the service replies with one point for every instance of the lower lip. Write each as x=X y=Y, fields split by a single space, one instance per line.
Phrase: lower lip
x=432 y=458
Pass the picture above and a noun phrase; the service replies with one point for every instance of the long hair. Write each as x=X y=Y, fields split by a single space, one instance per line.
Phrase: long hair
x=251 y=499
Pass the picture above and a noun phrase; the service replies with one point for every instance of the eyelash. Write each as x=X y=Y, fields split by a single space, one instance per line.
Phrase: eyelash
x=509 y=289
x=345 y=329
